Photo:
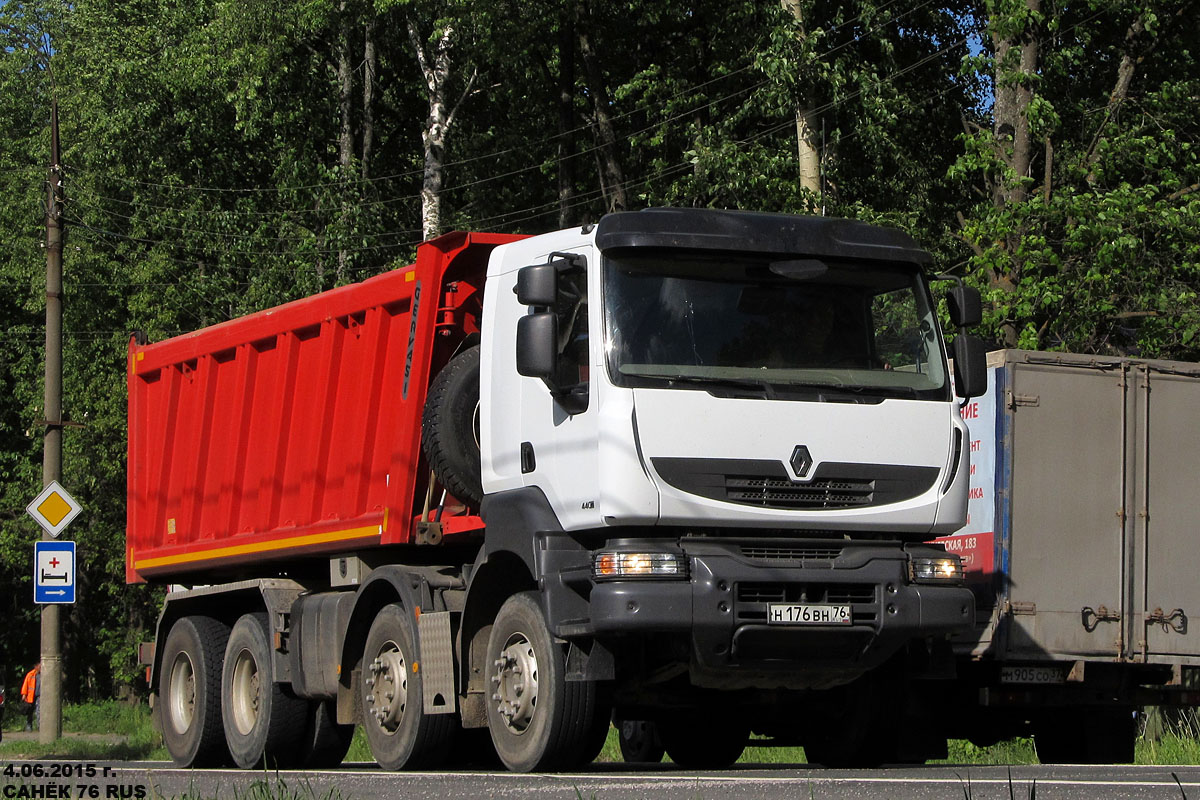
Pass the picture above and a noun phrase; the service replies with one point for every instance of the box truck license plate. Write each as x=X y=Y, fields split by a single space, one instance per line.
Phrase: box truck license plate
x=1031 y=675
x=794 y=614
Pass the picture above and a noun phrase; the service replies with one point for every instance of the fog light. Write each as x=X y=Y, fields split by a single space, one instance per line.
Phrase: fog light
x=942 y=569
x=622 y=566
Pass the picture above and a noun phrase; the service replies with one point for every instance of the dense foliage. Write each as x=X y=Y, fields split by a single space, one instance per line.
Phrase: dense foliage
x=221 y=157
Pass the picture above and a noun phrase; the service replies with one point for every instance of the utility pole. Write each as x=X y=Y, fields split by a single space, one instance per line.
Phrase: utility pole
x=50 y=725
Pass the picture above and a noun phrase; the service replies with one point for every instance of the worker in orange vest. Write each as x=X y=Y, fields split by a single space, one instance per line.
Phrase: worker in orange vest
x=31 y=693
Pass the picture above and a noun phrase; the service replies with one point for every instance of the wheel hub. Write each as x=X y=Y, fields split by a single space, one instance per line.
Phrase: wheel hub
x=516 y=681
x=246 y=688
x=387 y=687
x=183 y=693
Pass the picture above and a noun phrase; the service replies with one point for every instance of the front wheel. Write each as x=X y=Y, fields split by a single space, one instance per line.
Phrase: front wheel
x=400 y=733
x=539 y=721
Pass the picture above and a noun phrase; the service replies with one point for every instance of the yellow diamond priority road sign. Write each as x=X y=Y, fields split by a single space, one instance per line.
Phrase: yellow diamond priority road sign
x=54 y=509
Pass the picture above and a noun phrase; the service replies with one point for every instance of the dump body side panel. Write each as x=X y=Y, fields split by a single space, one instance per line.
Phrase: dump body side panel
x=295 y=431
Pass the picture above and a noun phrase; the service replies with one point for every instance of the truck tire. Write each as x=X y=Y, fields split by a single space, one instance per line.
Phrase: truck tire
x=325 y=742
x=597 y=733
x=1086 y=736
x=400 y=733
x=639 y=741
x=264 y=721
x=190 y=692
x=539 y=720
x=1111 y=736
x=693 y=742
x=851 y=752
x=450 y=427
x=854 y=731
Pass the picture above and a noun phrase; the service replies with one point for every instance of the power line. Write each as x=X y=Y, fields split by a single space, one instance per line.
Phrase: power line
x=536 y=211
x=544 y=140
x=79 y=225
x=249 y=236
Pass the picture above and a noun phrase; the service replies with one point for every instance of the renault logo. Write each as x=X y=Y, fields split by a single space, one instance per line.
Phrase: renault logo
x=801 y=461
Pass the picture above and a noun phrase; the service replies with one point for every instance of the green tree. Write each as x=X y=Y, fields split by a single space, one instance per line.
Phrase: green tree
x=1089 y=241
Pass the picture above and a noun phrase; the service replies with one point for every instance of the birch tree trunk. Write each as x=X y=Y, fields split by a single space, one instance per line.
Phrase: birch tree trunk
x=808 y=157
x=435 y=68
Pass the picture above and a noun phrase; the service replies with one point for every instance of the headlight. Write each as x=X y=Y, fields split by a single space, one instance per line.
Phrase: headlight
x=611 y=566
x=941 y=569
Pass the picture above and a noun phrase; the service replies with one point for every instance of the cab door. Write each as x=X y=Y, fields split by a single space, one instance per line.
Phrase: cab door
x=559 y=424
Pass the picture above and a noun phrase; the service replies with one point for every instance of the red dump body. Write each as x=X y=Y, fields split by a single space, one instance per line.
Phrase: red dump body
x=296 y=431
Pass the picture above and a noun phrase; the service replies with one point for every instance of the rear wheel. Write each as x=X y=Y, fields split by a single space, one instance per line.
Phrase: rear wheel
x=539 y=720
x=400 y=733
x=264 y=721
x=693 y=742
x=190 y=692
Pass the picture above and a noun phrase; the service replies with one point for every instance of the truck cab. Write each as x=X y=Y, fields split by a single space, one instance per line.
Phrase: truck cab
x=716 y=442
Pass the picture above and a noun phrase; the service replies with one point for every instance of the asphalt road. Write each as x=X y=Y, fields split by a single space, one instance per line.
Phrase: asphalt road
x=133 y=781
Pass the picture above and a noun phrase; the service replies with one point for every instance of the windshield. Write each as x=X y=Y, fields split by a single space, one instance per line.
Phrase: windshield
x=773 y=325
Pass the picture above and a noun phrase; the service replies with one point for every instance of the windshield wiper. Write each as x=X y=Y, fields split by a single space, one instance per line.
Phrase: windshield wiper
x=763 y=387
x=839 y=390
x=775 y=390
x=857 y=389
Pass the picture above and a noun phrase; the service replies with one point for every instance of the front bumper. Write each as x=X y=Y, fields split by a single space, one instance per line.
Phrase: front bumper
x=722 y=610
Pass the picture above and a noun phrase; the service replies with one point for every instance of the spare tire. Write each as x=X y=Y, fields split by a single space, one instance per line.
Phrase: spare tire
x=450 y=427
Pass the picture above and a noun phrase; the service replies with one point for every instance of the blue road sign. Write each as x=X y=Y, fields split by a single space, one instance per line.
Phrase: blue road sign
x=54 y=572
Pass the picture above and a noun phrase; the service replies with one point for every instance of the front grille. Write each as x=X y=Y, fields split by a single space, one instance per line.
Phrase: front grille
x=797 y=553
x=769 y=484
x=773 y=592
x=776 y=493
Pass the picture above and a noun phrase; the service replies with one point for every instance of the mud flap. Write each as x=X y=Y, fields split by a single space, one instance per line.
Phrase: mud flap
x=437 y=662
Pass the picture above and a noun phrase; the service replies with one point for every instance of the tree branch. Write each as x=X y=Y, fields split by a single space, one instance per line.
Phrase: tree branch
x=1136 y=50
x=962 y=223
x=465 y=94
x=1184 y=192
x=1046 y=174
x=422 y=60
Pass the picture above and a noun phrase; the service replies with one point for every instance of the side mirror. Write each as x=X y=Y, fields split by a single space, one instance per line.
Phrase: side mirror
x=537 y=285
x=970 y=366
x=537 y=340
x=965 y=306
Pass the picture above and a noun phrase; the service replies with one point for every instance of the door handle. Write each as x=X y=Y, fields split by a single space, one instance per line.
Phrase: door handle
x=1091 y=617
x=1175 y=621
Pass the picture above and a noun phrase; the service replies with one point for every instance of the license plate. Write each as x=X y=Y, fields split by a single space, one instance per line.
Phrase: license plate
x=794 y=614
x=1032 y=675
